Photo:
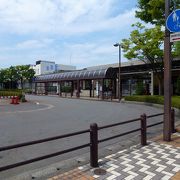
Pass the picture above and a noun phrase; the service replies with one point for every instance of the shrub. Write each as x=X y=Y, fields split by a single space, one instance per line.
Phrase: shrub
x=154 y=99
x=11 y=90
x=66 y=89
x=139 y=88
x=28 y=91
x=12 y=93
x=178 y=86
x=149 y=99
x=23 y=99
x=176 y=101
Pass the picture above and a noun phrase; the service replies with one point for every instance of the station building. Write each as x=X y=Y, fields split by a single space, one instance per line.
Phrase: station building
x=102 y=81
x=46 y=67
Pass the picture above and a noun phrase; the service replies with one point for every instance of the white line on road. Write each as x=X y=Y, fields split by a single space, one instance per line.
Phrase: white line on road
x=49 y=106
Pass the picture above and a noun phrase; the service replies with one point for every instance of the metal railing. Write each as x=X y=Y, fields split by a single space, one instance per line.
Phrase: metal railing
x=93 y=144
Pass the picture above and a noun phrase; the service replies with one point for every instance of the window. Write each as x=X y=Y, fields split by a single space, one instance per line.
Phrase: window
x=56 y=67
x=52 y=67
x=47 y=68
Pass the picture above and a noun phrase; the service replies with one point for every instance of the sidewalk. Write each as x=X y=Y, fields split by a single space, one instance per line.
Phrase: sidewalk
x=158 y=160
x=5 y=101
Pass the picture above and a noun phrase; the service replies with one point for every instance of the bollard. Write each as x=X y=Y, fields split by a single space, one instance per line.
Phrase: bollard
x=16 y=100
x=173 y=130
x=94 y=145
x=12 y=100
x=143 y=130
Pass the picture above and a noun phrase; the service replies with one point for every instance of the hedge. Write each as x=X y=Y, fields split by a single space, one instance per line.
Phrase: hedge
x=154 y=99
x=11 y=93
x=12 y=90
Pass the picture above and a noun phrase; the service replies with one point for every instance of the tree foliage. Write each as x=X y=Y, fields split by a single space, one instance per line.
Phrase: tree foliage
x=153 y=11
x=14 y=74
x=178 y=86
x=177 y=49
x=146 y=45
x=2 y=75
x=24 y=73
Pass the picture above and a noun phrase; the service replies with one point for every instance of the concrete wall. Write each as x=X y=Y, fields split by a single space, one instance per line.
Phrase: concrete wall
x=65 y=67
x=48 y=67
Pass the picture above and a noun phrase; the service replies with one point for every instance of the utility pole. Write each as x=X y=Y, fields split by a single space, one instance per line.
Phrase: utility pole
x=167 y=79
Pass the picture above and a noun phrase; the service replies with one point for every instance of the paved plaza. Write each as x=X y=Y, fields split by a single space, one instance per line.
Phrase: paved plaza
x=156 y=161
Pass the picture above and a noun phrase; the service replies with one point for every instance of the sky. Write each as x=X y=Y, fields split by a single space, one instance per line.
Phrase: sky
x=72 y=32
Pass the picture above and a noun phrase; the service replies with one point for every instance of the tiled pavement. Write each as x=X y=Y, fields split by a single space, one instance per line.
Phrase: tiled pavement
x=158 y=160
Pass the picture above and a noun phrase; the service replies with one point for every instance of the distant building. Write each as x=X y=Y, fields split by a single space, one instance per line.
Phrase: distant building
x=102 y=81
x=48 y=67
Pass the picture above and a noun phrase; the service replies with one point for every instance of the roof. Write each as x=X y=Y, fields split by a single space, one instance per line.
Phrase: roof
x=116 y=65
x=107 y=73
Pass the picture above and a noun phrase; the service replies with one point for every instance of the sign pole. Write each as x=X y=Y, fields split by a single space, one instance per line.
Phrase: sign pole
x=167 y=79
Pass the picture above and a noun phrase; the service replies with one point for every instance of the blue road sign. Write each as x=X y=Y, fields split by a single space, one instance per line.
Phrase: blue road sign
x=173 y=21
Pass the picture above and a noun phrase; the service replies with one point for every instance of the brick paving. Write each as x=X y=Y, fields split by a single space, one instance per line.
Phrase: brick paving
x=158 y=160
x=176 y=176
x=73 y=175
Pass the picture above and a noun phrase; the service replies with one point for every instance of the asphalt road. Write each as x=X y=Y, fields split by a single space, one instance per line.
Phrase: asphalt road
x=43 y=117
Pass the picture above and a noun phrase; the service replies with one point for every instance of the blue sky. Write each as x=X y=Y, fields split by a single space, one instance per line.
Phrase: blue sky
x=76 y=32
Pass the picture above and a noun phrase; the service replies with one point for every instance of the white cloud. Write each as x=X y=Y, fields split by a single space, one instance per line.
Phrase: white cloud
x=60 y=16
x=34 y=44
x=87 y=54
x=45 y=26
x=30 y=44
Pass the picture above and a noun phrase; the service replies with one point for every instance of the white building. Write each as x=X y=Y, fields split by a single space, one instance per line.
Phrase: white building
x=48 y=67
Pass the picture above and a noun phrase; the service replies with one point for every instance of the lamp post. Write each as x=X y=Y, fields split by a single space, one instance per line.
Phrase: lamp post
x=119 y=77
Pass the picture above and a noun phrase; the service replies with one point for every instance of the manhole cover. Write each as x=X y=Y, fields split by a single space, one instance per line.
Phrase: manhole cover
x=99 y=171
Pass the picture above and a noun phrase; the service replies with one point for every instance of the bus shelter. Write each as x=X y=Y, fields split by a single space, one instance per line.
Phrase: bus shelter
x=99 y=83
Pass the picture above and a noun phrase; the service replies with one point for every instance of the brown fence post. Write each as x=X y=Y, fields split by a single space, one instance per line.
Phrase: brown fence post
x=173 y=130
x=94 y=145
x=143 y=130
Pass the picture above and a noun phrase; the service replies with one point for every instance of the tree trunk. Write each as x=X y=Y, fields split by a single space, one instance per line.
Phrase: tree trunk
x=160 y=81
x=21 y=84
x=11 y=84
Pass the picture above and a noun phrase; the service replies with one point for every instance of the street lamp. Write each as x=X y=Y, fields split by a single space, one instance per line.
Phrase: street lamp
x=119 y=77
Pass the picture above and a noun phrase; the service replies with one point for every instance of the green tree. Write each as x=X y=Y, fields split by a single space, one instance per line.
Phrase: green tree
x=177 y=49
x=11 y=76
x=145 y=45
x=153 y=11
x=25 y=73
x=2 y=77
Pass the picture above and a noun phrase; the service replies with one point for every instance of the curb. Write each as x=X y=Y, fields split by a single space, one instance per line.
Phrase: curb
x=75 y=98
